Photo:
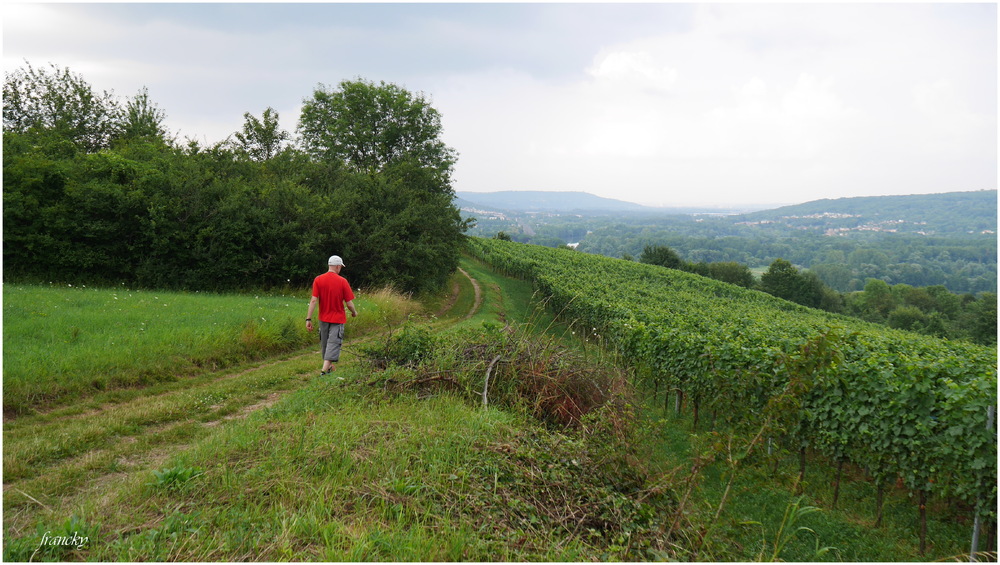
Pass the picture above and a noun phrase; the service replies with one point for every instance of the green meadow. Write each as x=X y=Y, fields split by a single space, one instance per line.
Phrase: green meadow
x=65 y=342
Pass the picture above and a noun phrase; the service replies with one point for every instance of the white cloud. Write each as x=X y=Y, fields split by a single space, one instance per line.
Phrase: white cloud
x=631 y=70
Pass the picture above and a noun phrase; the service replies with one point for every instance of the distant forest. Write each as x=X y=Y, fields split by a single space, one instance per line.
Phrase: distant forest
x=920 y=240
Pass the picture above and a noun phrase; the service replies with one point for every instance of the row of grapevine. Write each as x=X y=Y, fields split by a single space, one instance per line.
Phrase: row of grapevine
x=900 y=405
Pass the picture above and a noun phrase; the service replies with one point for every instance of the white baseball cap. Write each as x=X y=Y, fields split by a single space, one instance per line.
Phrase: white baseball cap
x=336 y=260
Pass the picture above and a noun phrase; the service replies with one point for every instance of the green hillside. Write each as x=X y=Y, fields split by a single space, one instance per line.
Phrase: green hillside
x=946 y=214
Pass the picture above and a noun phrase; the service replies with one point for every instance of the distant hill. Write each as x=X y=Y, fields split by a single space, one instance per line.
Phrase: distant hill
x=546 y=201
x=568 y=203
x=951 y=213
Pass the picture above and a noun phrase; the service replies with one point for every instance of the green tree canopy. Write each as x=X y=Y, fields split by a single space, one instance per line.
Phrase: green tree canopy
x=731 y=272
x=142 y=119
x=661 y=255
x=878 y=299
x=783 y=280
x=57 y=102
x=368 y=126
x=397 y=234
x=261 y=139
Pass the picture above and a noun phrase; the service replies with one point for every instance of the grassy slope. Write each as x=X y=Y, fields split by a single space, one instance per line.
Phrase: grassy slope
x=305 y=468
x=327 y=471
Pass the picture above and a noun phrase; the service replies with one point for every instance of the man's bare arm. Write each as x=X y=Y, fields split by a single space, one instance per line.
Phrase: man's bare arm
x=309 y=313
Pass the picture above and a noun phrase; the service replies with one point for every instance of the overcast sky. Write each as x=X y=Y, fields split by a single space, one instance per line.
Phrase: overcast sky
x=664 y=104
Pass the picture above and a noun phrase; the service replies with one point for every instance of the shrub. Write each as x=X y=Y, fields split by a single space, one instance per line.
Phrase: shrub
x=406 y=348
x=555 y=384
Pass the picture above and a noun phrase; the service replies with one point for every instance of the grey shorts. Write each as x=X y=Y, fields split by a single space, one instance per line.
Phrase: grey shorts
x=331 y=337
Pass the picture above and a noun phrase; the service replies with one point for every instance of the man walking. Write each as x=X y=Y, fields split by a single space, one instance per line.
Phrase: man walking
x=332 y=292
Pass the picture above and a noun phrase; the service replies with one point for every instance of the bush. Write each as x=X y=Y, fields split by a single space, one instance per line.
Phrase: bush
x=405 y=348
x=555 y=384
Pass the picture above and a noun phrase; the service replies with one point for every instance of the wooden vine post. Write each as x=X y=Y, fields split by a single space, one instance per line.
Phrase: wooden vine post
x=836 y=485
x=923 y=521
x=802 y=470
x=695 y=405
x=879 y=502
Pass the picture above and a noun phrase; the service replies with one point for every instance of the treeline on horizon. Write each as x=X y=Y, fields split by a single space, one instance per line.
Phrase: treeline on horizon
x=97 y=191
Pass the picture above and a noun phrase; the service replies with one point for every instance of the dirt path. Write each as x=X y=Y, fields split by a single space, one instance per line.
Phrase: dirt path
x=477 y=300
x=456 y=290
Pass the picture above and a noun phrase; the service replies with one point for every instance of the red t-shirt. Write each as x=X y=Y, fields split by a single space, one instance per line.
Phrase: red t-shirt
x=332 y=290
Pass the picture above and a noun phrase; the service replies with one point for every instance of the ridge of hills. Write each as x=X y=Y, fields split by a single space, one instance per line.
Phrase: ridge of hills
x=950 y=213
x=889 y=205
x=567 y=203
x=543 y=201
x=959 y=212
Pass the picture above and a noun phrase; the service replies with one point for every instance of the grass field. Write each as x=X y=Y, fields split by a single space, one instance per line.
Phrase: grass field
x=64 y=343
x=264 y=460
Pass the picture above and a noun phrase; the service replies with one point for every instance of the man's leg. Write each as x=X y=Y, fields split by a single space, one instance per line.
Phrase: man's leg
x=324 y=338
x=331 y=349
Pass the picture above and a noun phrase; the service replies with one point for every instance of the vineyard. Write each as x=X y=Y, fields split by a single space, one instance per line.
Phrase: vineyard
x=905 y=408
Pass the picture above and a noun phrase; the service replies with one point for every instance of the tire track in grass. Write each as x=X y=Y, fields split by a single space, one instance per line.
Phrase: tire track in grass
x=477 y=300
x=62 y=413
x=116 y=441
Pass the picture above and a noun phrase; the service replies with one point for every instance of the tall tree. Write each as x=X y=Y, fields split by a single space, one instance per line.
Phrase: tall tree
x=878 y=299
x=380 y=146
x=58 y=102
x=984 y=328
x=661 y=255
x=783 y=280
x=261 y=139
x=142 y=119
x=369 y=126
x=731 y=272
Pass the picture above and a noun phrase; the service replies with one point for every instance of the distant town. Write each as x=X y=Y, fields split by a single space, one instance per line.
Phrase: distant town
x=887 y=226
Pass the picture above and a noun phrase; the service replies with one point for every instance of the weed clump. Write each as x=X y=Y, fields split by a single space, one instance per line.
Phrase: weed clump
x=408 y=347
x=58 y=543
x=504 y=366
